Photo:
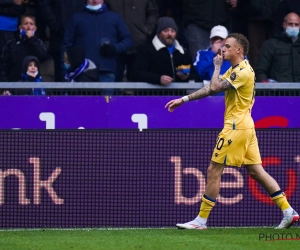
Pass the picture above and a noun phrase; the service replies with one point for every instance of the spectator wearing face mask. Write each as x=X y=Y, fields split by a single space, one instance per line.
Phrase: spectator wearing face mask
x=17 y=49
x=279 y=58
x=31 y=73
x=102 y=33
x=285 y=7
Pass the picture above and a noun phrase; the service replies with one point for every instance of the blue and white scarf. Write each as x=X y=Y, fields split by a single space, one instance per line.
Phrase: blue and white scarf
x=37 y=78
x=70 y=76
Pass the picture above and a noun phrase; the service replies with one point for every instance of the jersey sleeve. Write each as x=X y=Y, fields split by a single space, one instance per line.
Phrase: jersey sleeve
x=237 y=78
x=226 y=74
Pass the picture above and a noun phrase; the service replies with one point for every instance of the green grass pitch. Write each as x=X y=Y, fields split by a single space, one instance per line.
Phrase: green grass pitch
x=165 y=238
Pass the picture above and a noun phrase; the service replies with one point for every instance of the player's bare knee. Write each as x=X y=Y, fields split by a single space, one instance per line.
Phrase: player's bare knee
x=214 y=171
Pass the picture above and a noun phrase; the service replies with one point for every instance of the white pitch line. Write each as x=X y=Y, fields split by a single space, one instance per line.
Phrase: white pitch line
x=111 y=229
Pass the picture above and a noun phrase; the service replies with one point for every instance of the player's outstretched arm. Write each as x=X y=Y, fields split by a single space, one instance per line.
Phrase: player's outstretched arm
x=215 y=86
x=175 y=103
x=199 y=94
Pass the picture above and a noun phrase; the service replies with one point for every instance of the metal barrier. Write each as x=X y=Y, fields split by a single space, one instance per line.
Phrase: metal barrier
x=137 y=88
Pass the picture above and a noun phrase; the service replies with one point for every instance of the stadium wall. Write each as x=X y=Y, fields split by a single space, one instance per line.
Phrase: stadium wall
x=136 y=112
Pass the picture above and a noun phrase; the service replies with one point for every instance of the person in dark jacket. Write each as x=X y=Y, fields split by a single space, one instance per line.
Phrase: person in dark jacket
x=16 y=50
x=279 y=58
x=102 y=33
x=199 y=17
x=10 y=11
x=164 y=61
x=79 y=68
x=254 y=18
x=31 y=73
x=57 y=14
x=140 y=17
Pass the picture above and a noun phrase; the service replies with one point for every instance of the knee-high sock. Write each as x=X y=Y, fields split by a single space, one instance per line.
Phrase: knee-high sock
x=280 y=199
x=206 y=206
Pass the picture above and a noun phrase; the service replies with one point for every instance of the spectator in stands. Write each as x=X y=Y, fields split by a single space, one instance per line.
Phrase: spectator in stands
x=17 y=49
x=204 y=63
x=32 y=9
x=31 y=73
x=103 y=35
x=254 y=18
x=173 y=9
x=285 y=7
x=141 y=17
x=199 y=17
x=279 y=58
x=164 y=61
x=57 y=14
x=79 y=68
x=10 y=11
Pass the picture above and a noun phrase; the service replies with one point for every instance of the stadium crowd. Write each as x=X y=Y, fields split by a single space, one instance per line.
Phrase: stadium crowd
x=154 y=41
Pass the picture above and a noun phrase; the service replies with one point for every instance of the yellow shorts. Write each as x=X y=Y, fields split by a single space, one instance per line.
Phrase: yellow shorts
x=236 y=148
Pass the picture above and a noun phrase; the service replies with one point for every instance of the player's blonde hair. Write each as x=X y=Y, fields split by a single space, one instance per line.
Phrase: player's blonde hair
x=242 y=40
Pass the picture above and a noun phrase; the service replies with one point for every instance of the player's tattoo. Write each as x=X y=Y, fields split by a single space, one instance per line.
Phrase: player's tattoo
x=206 y=91
x=201 y=93
x=215 y=86
x=224 y=85
x=215 y=78
x=218 y=61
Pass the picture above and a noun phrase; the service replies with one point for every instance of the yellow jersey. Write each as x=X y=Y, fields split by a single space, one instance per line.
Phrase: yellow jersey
x=239 y=99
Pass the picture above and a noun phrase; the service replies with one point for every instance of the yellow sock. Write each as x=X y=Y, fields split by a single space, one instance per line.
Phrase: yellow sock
x=281 y=201
x=206 y=207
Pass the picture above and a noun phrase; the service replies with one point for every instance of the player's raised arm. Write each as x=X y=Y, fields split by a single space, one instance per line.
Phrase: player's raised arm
x=217 y=85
